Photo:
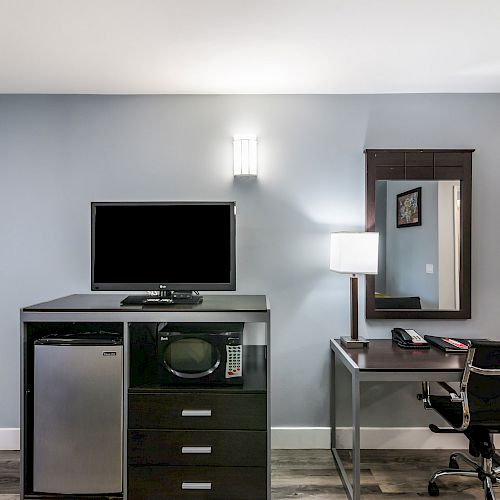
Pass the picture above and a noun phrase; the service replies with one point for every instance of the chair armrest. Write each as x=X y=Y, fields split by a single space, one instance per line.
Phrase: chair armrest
x=441 y=430
x=455 y=398
x=447 y=387
x=426 y=394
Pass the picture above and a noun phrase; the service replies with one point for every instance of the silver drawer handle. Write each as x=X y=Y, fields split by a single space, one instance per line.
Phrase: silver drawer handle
x=196 y=486
x=196 y=449
x=196 y=413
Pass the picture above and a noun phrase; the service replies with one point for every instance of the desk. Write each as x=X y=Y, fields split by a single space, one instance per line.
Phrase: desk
x=383 y=361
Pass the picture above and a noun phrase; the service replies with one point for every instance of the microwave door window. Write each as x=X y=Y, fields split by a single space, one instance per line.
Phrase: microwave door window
x=191 y=358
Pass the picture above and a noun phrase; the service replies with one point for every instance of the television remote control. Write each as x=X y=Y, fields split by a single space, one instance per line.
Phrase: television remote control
x=233 y=361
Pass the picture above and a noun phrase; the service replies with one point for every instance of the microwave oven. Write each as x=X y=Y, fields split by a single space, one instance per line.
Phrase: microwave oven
x=200 y=354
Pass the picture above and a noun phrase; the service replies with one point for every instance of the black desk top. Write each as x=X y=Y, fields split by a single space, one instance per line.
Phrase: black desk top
x=101 y=302
x=385 y=355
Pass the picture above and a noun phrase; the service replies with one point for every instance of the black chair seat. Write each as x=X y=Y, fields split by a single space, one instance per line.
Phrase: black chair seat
x=451 y=412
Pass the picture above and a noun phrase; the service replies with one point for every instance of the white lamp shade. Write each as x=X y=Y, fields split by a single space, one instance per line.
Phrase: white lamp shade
x=354 y=253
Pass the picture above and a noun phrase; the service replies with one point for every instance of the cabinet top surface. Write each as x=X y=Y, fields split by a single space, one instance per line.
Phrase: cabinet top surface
x=419 y=150
x=111 y=303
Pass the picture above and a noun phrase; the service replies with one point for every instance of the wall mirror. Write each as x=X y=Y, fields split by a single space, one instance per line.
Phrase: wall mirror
x=420 y=203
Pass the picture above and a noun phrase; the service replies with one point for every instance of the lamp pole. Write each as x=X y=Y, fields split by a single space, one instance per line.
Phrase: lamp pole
x=354 y=341
x=354 y=307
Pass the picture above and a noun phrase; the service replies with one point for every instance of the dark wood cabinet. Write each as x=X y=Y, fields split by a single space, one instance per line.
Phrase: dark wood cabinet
x=212 y=440
x=200 y=447
x=197 y=483
x=155 y=430
x=175 y=411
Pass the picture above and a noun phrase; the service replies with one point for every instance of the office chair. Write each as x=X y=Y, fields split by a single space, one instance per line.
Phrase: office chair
x=475 y=412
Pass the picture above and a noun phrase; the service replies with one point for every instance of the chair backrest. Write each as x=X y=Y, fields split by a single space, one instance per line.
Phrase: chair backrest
x=398 y=303
x=481 y=385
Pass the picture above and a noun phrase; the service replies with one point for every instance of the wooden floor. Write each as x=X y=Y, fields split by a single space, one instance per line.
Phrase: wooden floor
x=9 y=475
x=384 y=474
x=311 y=474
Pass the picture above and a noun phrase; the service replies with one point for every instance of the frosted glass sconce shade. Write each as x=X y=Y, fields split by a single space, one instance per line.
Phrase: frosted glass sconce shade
x=245 y=155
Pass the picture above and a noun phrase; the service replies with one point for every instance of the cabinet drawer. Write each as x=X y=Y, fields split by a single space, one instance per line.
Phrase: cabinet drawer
x=159 y=483
x=197 y=411
x=214 y=448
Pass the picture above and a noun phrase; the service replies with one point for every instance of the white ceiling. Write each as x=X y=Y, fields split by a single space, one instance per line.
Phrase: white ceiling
x=249 y=46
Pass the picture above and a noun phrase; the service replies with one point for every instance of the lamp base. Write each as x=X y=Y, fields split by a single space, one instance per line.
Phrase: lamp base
x=350 y=343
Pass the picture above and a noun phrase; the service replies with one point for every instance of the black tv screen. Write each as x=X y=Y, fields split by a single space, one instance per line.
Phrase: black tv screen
x=163 y=246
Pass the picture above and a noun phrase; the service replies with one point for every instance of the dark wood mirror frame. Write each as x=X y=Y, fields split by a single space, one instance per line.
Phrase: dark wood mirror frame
x=423 y=164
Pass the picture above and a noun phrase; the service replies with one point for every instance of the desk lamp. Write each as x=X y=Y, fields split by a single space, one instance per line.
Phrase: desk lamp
x=354 y=253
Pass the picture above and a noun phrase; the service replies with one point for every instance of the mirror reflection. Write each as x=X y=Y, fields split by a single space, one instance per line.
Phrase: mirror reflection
x=419 y=253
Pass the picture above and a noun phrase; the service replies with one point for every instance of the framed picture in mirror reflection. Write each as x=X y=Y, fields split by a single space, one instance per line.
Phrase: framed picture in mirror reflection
x=409 y=208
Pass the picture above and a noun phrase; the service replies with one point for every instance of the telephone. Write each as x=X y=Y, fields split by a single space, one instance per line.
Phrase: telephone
x=408 y=339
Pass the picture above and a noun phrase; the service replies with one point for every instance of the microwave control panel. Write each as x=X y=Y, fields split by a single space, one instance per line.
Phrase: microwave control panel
x=233 y=361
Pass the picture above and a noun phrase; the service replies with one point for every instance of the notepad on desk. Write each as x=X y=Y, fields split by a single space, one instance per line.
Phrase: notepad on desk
x=448 y=344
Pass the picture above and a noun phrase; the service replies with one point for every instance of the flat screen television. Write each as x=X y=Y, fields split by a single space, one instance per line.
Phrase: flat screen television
x=163 y=246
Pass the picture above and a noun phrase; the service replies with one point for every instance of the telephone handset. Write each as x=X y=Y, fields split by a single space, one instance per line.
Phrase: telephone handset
x=408 y=339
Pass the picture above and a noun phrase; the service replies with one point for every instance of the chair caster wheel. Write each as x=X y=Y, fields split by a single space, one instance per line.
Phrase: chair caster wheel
x=433 y=489
x=453 y=464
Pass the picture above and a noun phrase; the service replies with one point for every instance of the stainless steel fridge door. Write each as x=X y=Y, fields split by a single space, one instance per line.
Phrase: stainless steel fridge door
x=78 y=406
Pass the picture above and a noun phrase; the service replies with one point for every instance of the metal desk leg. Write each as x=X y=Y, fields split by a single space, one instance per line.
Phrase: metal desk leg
x=356 y=438
x=353 y=491
x=333 y=417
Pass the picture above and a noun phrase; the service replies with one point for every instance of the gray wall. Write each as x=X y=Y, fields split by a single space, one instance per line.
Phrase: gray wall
x=58 y=153
x=409 y=249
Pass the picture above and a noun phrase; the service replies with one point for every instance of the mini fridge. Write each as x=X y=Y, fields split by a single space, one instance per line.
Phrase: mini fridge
x=78 y=414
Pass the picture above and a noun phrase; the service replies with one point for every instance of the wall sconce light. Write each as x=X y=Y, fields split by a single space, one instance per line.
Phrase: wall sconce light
x=245 y=155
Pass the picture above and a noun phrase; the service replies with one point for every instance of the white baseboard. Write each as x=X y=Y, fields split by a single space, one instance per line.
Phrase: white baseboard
x=10 y=438
x=392 y=438
x=300 y=438
x=308 y=438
